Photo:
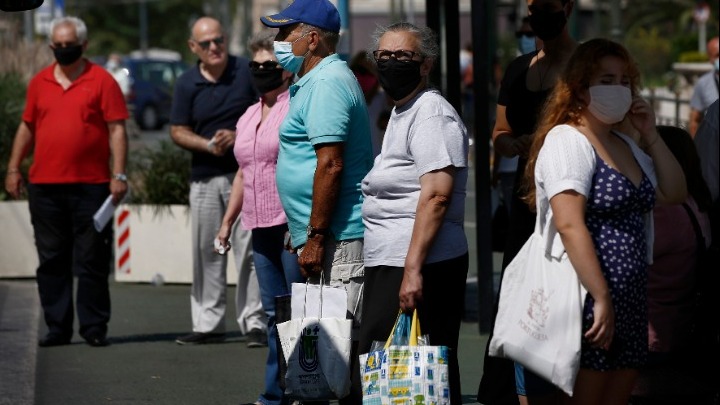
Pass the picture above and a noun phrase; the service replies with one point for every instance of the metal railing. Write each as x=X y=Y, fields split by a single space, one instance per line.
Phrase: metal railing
x=672 y=109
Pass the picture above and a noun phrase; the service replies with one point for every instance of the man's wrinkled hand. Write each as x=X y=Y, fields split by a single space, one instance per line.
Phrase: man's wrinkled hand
x=311 y=257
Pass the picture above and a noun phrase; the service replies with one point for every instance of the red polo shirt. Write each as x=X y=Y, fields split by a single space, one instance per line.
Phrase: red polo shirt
x=70 y=126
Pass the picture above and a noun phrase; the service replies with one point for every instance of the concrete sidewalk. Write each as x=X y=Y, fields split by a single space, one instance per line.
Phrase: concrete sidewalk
x=143 y=364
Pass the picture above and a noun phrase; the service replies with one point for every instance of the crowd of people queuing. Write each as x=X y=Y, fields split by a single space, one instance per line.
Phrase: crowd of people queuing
x=310 y=169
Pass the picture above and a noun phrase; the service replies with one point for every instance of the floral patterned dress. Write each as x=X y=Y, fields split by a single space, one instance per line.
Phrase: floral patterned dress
x=614 y=217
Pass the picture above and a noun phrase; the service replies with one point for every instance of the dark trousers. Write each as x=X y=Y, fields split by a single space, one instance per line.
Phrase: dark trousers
x=67 y=244
x=440 y=311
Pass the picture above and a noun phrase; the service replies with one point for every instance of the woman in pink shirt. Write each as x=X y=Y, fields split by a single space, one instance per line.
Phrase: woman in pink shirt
x=254 y=193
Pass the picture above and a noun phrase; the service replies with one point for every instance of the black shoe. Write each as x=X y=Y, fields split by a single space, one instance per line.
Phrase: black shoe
x=53 y=340
x=96 y=340
x=256 y=338
x=198 y=338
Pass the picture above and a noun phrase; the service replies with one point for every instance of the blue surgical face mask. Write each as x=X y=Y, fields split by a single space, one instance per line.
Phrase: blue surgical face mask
x=285 y=56
x=526 y=44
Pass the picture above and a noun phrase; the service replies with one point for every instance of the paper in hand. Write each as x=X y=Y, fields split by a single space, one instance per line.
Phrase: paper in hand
x=103 y=214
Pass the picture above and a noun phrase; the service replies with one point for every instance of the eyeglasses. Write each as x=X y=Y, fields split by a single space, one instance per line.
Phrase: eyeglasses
x=267 y=65
x=205 y=45
x=519 y=34
x=401 y=55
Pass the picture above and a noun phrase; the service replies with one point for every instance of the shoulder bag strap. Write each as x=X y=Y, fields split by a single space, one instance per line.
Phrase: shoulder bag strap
x=700 y=239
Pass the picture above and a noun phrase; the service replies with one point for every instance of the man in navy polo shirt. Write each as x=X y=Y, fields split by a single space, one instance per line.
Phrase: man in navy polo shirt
x=207 y=103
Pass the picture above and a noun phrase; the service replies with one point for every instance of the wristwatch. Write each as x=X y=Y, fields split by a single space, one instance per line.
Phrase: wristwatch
x=120 y=176
x=312 y=231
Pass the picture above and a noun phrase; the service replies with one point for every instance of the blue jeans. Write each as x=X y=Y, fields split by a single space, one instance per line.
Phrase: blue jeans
x=276 y=270
x=528 y=383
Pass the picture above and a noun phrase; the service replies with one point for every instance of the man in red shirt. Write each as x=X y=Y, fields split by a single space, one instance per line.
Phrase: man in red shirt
x=75 y=119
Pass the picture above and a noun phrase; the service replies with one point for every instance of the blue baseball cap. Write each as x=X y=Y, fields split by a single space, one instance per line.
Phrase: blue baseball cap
x=319 y=13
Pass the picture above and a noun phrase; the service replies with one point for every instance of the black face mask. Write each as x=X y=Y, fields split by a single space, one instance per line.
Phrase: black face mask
x=69 y=55
x=548 y=25
x=266 y=80
x=399 y=79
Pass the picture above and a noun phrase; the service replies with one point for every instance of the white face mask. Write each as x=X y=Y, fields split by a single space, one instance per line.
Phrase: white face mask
x=609 y=103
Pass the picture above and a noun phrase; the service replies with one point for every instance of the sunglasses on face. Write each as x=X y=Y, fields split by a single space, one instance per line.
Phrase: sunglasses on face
x=267 y=65
x=401 y=55
x=205 y=45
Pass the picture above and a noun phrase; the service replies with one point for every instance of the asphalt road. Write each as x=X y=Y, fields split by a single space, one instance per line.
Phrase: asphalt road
x=143 y=364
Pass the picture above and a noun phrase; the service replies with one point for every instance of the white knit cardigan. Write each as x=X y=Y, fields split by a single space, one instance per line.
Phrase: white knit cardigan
x=567 y=161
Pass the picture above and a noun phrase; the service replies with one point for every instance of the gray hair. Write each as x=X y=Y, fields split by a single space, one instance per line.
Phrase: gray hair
x=80 y=27
x=328 y=37
x=262 y=40
x=427 y=39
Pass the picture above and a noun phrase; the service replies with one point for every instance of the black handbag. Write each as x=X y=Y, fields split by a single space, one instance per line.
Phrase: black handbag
x=282 y=314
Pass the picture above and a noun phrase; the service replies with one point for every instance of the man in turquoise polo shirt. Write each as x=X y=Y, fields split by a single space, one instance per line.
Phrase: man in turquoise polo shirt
x=325 y=148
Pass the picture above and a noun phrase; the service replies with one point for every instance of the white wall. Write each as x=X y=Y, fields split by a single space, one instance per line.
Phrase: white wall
x=18 y=257
x=158 y=242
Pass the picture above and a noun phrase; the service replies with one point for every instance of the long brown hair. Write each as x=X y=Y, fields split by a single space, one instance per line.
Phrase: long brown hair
x=564 y=104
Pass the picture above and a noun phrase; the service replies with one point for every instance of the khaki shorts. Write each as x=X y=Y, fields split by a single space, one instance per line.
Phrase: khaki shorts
x=347 y=269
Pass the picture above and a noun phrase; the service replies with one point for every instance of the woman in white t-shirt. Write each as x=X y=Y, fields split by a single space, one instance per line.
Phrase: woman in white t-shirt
x=416 y=252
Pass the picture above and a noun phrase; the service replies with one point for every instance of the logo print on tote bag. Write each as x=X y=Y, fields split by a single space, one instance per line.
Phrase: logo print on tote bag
x=537 y=313
x=308 y=348
x=538 y=309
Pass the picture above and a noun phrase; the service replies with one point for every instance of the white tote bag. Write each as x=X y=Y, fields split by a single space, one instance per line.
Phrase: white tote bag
x=317 y=347
x=305 y=301
x=317 y=351
x=539 y=318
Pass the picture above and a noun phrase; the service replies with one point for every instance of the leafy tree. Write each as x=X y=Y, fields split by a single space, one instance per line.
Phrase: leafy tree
x=653 y=50
x=114 y=24
x=670 y=17
x=659 y=32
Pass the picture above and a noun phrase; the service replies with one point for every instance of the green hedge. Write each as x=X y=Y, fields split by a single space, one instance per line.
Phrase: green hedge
x=12 y=102
x=693 y=56
x=159 y=175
